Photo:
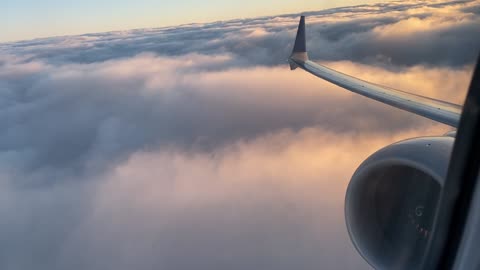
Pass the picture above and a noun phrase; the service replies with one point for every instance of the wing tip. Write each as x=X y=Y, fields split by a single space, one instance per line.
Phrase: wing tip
x=300 y=41
x=300 y=47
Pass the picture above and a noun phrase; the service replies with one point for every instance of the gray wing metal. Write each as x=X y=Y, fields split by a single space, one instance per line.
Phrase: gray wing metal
x=437 y=110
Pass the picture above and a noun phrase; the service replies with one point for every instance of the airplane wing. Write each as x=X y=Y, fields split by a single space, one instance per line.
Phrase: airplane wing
x=437 y=110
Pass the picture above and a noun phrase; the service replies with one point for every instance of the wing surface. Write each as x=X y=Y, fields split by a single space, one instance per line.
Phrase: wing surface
x=437 y=110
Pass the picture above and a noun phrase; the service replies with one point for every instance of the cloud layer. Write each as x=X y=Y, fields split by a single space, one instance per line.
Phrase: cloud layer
x=404 y=33
x=195 y=147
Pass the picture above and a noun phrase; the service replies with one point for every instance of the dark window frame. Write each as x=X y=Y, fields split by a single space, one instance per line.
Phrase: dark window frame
x=458 y=192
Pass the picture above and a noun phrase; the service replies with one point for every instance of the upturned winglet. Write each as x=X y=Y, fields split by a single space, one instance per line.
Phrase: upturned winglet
x=299 y=52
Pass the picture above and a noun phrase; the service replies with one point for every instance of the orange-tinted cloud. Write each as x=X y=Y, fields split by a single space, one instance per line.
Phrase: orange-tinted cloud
x=197 y=147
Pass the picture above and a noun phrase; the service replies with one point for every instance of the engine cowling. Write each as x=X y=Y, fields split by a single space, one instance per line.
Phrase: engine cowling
x=391 y=199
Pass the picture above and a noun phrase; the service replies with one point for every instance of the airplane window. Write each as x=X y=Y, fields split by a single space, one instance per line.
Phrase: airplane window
x=172 y=135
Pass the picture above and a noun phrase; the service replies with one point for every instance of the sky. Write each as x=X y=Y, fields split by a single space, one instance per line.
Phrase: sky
x=196 y=147
x=27 y=19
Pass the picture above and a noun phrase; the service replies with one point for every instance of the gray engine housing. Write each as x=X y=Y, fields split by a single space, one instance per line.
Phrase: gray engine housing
x=391 y=199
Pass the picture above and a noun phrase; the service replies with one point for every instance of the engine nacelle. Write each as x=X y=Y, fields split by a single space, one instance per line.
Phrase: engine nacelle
x=391 y=199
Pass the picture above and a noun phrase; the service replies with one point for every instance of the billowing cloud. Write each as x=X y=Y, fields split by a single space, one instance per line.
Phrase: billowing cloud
x=86 y=116
x=274 y=201
x=405 y=33
x=196 y=146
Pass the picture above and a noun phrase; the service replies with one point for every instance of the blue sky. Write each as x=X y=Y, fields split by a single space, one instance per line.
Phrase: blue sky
x=27 y=19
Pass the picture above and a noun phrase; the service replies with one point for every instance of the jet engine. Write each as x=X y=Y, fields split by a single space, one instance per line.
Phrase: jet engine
x=391 y=201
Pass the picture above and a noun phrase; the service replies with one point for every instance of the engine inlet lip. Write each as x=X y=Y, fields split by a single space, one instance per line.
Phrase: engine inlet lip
x=363 y=171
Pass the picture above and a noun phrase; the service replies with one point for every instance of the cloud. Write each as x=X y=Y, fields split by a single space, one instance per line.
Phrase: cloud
x=146 y=161
x=275 y=202
x=196 y=146
x=86 y=116
x=396 y=33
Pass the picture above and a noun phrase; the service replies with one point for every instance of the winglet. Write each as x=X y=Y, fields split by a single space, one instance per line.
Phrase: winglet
x=300 y=40
x=299 y=52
